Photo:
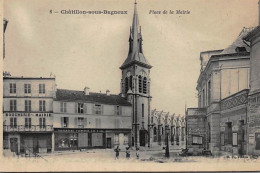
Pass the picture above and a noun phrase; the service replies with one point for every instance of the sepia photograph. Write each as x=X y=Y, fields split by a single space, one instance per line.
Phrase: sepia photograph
x=130 y=85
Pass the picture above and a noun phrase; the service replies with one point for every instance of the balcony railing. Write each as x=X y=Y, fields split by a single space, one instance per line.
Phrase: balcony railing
x=32 y=128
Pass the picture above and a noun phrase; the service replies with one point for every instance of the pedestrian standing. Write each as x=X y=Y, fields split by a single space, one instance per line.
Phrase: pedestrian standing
x=137 y=153
x=127 y=153
x=117 y=152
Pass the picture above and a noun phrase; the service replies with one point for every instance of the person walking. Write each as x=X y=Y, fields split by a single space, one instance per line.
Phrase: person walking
x=137 y=153
x=117 y=152
x=127 y=153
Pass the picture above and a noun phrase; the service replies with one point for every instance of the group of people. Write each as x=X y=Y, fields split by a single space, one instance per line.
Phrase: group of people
x=117 y=150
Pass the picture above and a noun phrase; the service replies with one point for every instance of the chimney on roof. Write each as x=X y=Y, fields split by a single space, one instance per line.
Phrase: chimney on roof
x=107 y=92
x=86 y=90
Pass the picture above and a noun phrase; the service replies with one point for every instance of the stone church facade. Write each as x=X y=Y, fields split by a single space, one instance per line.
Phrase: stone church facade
x=135 y=84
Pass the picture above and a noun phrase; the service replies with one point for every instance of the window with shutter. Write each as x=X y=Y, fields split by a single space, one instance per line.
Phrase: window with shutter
x=81 y=122
x=62 y=121
x=75 y=122
x=85 y=122
x=96 y=120
x=85 y=108
x=98 y=109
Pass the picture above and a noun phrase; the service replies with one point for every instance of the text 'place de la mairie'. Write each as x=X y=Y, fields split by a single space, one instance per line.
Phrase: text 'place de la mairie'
x=39 y=118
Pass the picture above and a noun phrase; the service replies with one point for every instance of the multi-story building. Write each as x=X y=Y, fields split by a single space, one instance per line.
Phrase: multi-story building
x=135 y=84
x=161 y=122
x=254 y=93
x=84 y=119
x=222 y=96
x=27 y=113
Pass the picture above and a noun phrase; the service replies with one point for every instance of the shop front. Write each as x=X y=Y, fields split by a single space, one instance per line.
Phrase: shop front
x=75 y=139
x=35 y=143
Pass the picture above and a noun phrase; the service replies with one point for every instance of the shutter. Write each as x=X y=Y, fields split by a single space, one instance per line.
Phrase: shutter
x=102 y=109
x=115 y=123
x=61 y=107
x=62 y=121
x=85 y=122
x=76 y=107
x=120 y=110
x=96 y=122
x=99 y=123
x=85 y=108
x=76 y=122
x=93 y=109
x=114 y=110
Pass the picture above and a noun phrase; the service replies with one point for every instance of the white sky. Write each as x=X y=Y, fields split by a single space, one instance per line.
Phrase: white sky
x=87 y=50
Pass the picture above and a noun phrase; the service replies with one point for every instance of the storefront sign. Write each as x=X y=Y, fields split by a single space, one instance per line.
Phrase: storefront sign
x=19 y=114
x=251 y=139
x=80 y=130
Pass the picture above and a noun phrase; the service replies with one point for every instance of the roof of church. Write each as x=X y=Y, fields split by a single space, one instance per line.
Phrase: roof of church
x=135 y=54
x=238 y=43
x=74 y=95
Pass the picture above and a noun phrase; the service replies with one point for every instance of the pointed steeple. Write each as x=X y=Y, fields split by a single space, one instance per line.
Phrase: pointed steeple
x=135 y=54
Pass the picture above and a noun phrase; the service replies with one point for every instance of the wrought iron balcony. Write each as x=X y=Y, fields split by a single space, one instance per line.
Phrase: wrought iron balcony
x=23 y=128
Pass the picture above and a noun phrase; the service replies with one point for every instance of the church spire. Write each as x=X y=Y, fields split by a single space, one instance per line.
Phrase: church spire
x=135 y=54
x=134 y=32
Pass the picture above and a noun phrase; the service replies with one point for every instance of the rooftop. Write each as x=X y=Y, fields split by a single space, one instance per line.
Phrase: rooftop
x=238 y=44
x=74 y=95
x=28 y=78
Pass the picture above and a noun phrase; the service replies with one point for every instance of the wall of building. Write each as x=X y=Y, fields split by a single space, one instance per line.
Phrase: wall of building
x=49 y=87
x=107 y=119
x=255 y=64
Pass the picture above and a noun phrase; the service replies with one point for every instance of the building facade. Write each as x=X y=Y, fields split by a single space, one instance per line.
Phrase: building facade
x=163 y=125
x=84 y=119
x=254 y=93
x=222 y=96
x=28 y=114
x=135 y=84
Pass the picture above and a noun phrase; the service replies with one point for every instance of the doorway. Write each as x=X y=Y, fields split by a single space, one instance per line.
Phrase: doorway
x=108 y=142
x=143 y=137
x=14 y=145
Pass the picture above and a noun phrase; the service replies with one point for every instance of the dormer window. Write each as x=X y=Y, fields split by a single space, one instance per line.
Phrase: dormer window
x=240 y=49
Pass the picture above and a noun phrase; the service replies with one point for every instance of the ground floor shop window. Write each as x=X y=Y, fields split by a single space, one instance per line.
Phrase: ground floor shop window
x=196 y=140
x=257 y=141
x=228 y=133
x=66 y=140
x=116 y=138
x=125 y=139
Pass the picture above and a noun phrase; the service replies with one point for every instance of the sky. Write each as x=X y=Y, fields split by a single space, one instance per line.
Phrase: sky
x=87 y=50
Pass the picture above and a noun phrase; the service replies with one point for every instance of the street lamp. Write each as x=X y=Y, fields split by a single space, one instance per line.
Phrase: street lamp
x=167 y=152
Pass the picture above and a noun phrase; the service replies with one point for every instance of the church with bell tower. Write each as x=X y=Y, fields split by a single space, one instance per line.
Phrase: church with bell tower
x=135 y=85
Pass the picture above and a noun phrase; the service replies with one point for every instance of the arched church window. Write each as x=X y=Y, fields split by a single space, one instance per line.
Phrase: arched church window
x=162 y=131
x=140 y=84
x=126 y=84
x=154 y=131
x=131 y=82
x=145 y=85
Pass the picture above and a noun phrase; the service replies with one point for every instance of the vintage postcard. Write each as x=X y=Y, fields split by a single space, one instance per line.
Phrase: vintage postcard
x=130 y=85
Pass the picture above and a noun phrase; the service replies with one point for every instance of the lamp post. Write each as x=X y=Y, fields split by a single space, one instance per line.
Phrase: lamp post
x=167 y=152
